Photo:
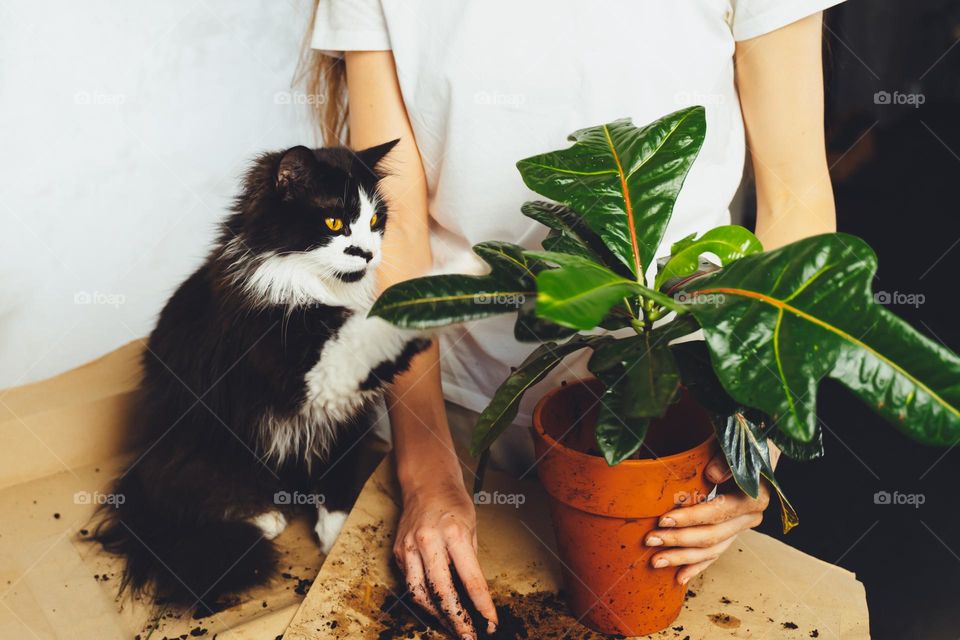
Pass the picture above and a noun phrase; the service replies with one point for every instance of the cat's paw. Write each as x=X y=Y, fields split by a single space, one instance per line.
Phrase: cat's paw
x=328 y=527
x=271 y=523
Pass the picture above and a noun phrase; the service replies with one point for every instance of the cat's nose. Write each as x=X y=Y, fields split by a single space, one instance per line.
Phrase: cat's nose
x=354 y=250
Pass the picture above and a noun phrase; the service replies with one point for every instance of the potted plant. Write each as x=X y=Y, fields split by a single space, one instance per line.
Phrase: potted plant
x=615 y=452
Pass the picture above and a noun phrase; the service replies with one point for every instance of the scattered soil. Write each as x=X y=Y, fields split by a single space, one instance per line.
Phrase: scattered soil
x=215 y=607
x=541 y=614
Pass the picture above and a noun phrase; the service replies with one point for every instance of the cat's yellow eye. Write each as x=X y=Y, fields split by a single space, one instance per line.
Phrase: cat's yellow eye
x=373 y=220
x=334 y=224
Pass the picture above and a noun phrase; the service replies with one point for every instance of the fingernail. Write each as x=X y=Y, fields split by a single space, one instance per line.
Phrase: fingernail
x=660 y=563
x=714 y=472
x=491 y=628
x=467 y=636
x=667 y=522
x=684 y=579
x=654 y=541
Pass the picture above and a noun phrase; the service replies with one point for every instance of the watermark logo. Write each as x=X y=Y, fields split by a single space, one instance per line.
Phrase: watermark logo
x=496 y=497
x=500 y=299
x=897 y=98
x=497 y=99
x=896 y=498
x=298 y=498
x=299 y=98
x=98 y=297
x=899 y=298
x=687 y=498
x=98 y=498
x=696 y=297
x=96 y=98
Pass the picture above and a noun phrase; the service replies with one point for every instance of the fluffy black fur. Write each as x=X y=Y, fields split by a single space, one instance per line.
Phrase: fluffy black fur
x=218 y=364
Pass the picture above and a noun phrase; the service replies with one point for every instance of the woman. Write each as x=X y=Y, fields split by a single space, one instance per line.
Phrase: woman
x=469 y=88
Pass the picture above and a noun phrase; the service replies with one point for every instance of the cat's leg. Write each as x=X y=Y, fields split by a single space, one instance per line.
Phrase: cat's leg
x=271 y=523
x=364 y=353
x=329 y=524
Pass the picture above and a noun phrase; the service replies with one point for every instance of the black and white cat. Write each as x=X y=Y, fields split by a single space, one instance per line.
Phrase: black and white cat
x=257 y=379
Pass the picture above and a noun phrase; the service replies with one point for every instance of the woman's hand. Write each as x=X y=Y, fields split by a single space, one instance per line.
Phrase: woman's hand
x=699 y=533
x=438 y=533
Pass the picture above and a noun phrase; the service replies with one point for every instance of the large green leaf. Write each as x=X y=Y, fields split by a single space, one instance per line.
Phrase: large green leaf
x=640 y=379
x=647 y=366
x=728 y=243
x=569 y=234
x=622 y=179
x=434 y=301
x=530 y=327
x=776 y=323
x=503 y=407
x=581 y=292
x=618 y=435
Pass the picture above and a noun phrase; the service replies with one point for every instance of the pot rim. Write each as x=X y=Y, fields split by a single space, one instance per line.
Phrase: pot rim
x=573 y=453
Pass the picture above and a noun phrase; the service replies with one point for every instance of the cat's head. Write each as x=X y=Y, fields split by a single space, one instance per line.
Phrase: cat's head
x=308 y=226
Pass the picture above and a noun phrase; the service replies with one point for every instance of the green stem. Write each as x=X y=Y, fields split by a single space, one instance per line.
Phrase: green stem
x=481 y=471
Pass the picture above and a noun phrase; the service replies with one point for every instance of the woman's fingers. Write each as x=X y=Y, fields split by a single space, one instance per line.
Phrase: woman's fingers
x=717 y=470
x=720 y=509
x=689 y=555
x=465 y=562
x=703 y=535
x=436 y=562
x=684 y=575
x=416 y=581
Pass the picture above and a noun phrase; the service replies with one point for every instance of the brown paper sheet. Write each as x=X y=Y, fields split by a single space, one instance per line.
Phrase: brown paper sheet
x=61 y=440
x=760 y=588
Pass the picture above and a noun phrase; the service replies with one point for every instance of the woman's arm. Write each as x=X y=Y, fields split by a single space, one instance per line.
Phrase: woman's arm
x=780 y=80
x=438 y=524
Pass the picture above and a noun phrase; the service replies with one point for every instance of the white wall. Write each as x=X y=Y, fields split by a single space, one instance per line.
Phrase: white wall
x=124 y=127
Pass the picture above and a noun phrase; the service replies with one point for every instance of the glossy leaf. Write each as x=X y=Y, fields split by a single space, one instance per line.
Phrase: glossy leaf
x=778 y=322
x=743 y=439
x=728 y=243
x=622 y=179
x=742 y=432
x=569 y=234
x=640 y=379
x=647 y=366
x=530 y=327
x=618 y=435
x=503 y=407
x=580 y=293
x=434 y=301
x=795 y=449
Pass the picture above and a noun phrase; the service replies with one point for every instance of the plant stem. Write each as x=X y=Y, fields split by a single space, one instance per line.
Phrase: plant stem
x=481 y=471
x=648 y=314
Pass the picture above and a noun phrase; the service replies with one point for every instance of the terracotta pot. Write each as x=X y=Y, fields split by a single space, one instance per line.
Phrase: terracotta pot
x=602 y=514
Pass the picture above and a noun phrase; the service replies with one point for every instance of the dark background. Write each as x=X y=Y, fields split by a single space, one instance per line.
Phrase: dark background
x=896 y=172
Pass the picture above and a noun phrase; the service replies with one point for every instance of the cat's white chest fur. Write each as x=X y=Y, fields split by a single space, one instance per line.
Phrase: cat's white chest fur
x=333 y=385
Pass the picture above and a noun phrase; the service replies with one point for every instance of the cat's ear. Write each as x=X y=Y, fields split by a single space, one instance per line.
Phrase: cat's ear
x=370 y=159
x=294 y=172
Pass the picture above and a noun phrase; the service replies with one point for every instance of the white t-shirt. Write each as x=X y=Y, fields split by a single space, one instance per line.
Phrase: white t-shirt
x=486 y=83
